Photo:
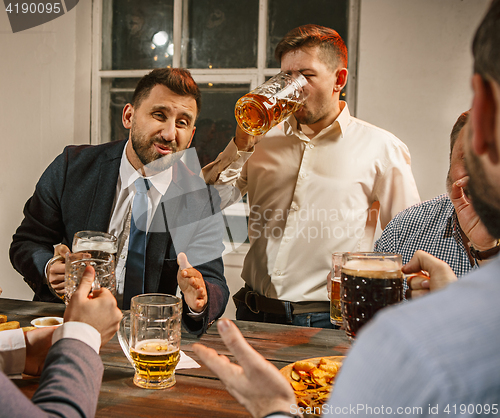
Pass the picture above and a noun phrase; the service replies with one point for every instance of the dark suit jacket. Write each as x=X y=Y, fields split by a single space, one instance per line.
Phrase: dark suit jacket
x=70 y=384
x=76 y=192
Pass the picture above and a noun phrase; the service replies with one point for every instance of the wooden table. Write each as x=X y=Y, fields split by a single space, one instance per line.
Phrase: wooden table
x=197 y=393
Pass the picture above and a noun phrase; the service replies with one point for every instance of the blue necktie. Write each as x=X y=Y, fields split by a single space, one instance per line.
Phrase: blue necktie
x=136 y=257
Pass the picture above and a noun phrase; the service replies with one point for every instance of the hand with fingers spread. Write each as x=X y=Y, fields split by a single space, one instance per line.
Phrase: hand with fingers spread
x=254 y=382
x=55 y=269
x=434 y=274
x=469 y=220
x=98 y=309
x=191 y=284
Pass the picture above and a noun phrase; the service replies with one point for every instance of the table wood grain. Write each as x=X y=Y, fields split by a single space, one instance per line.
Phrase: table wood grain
x=197 y=393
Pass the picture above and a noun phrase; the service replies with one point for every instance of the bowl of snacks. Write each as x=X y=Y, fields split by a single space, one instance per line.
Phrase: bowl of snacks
x=312 y=381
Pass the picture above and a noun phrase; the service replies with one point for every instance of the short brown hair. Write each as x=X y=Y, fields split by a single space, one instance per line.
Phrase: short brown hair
x=178 y=80
x=459 y=124
x=331 y=44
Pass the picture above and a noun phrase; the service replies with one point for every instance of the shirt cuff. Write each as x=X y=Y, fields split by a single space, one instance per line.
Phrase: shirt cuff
x=79 y=331
x=197 y=316
x=243 y=155
x=12 y=351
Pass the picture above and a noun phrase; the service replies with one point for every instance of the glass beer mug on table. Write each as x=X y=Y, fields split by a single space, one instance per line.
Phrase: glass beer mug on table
x=153 y=343
x=270 y=103
x=335 y=312
x=76 y=263
x=369 y=282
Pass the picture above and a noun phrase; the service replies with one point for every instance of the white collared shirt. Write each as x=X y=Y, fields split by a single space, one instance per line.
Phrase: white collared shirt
x=309 y=198
x=125 y=192
x=13 y=344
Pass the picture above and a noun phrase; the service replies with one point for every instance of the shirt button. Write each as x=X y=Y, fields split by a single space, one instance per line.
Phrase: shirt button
x=310 y=146
x=278 y=273
x=303 y=175
x=294 y=206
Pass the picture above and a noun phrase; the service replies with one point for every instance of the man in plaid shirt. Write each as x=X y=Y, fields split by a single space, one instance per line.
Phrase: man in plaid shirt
x=438 y=226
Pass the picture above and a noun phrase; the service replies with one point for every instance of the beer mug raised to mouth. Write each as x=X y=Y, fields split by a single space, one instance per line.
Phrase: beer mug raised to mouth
x=266 y=106
x=153 y=343
x=369 y=282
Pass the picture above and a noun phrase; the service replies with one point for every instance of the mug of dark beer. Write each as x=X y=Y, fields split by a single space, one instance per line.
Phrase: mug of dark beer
x=369 y=282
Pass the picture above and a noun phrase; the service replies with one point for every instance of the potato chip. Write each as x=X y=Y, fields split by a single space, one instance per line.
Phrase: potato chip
x=312 y=380
x=298 y=386
x=304 y=366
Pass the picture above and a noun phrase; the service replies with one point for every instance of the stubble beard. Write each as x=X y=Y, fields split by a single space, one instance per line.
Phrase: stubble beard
x=149 y=157
x=484 y=196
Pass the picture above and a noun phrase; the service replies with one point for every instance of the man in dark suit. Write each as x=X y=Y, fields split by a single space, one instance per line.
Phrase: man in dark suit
x=93 y=188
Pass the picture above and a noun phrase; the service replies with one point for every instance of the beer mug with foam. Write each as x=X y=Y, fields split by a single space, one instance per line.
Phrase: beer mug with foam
x=369 y=282
x=154 y=337
x=75 y=265
x=94 y=241
x=270 y=103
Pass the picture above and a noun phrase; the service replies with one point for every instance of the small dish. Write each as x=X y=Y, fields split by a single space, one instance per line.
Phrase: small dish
x=47 y=321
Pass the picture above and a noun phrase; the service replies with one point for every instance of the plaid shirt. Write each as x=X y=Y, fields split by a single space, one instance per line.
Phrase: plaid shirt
x=431 y=226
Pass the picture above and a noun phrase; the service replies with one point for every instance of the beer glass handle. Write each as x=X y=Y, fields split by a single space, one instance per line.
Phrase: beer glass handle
x=123 y=338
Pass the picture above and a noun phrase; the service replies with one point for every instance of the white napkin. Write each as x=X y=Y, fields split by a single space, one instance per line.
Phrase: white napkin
x=186 y=362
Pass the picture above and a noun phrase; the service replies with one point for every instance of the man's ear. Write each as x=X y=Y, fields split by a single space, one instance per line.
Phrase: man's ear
x=128 y=113
x=341 y=79
x=192 y=136
x=484 y=109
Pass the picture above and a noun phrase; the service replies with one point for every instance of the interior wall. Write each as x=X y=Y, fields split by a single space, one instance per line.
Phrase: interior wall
x=414 y=71
x=44 y=105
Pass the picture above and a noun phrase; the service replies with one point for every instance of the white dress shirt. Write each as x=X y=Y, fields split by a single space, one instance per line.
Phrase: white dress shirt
x=311 y=197
x=125 y=192
x=13 y=344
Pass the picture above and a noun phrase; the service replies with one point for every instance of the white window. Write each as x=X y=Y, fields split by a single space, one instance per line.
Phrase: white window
x=227 y=45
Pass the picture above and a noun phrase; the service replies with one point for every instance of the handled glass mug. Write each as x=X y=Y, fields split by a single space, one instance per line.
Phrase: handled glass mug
x=335 y=312
x=75 y=265
x=94 y=241
x=154 y=340
x=270 y=103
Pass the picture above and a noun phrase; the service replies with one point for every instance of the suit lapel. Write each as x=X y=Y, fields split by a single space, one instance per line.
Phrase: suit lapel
x=102 y=204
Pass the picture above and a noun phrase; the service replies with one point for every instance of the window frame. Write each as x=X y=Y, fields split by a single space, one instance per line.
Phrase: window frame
x=253 y=76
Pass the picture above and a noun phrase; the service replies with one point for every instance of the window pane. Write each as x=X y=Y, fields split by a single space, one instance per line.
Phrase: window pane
x=141 y=35
x=121 y=92
x=216 y=124
x=285 y=15
x=222 y=34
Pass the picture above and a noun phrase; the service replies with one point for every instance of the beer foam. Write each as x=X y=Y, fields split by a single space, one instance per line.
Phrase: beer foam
x=373 y=268
x=155 y=347
x=94 y=245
